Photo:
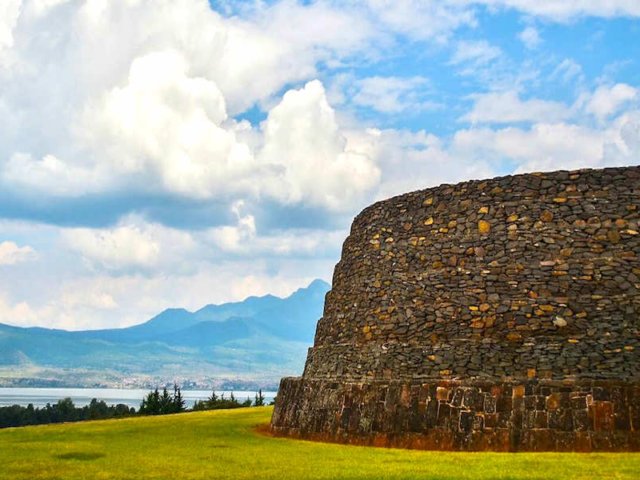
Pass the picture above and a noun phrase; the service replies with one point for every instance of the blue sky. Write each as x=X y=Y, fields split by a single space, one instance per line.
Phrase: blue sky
x=162 y=153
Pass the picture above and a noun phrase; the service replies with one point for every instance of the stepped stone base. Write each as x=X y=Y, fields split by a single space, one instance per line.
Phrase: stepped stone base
x=465 y=415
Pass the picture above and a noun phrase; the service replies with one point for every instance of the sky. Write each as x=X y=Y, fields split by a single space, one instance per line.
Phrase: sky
x=176 y=153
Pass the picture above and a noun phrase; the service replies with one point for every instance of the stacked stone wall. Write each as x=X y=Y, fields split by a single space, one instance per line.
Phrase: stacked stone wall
x=531 y=415
x=529 y=277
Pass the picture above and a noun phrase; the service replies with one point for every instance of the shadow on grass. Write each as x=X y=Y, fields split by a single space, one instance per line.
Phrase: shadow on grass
x=85 y=456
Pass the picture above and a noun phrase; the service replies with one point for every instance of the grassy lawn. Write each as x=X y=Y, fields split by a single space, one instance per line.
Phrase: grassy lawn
x=222 y=444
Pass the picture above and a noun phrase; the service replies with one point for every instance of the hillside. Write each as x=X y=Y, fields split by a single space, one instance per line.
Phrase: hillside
x=223 y=445
x=260 y=337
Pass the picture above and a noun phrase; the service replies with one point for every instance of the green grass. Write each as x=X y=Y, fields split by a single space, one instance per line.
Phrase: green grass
x=222 y=444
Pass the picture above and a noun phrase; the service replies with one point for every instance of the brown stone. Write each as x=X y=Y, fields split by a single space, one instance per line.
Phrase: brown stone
x=546 y=216
x=484 y=226
x=614 y=236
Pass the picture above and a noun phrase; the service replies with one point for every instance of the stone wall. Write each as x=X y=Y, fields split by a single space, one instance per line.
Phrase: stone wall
x=531 y=415
x=522 y=277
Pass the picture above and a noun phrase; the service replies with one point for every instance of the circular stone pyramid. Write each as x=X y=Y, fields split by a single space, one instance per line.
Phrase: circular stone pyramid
x=489 y=315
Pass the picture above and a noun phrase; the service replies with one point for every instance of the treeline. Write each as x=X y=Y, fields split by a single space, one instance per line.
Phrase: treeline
x=63 y=411
x=155 y=403
x=215 y=402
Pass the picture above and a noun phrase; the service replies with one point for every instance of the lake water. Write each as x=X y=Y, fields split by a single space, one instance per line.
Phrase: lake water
x=112 y=396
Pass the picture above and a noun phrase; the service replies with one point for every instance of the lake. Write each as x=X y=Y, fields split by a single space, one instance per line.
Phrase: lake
x=39 y=397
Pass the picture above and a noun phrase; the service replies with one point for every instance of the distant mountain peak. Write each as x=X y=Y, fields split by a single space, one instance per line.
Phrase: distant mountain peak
x=319 y=284
x=266 y=335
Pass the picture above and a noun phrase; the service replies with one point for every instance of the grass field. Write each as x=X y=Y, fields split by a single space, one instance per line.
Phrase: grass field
x=223 y=444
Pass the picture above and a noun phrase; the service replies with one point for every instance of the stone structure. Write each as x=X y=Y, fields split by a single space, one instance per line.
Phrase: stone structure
x=488 y=315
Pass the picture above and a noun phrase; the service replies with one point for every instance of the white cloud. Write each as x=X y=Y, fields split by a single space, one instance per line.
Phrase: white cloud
x=530 y=37
x=607 y=100
x=412 y=161
x=322 y=31
x=9 y=12
x=19 y=314
x=623 y=143
x=472 y=56
x=507 y=107
x=393 y=94
x=136 y=245
x=114 y=249
x=303 y=141
x=568 y=70
x=166 y=122
x=10 y=253
x=542 y=147
x=566 y=9
x=150 y=113
x=88 y=299
x=52 y=175
x=422 y=19
x=550 y=146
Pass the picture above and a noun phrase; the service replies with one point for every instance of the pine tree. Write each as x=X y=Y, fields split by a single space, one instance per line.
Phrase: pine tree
x=178 y=401
x=155 y=402
x=259 y=401
x=166 y=402
x=213 y=399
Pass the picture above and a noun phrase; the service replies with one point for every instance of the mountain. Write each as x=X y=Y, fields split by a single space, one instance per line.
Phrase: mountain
x=260 y=337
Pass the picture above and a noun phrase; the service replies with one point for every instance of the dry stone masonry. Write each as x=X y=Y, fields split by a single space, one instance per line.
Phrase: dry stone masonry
x=489 y=315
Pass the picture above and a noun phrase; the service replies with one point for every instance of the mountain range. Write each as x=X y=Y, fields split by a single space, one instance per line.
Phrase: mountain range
x=258 y=339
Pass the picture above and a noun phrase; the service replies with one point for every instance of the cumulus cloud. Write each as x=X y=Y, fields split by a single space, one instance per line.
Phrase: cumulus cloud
x=416 y=160
x=303 y=139
x=542 y=147
x=139 y=246
x=151 y=113
x=165 y=122
x=52 y=175
x=10 y=253
x=9 y=11
x=623 y=143
x=507 y=107
x=607 y=100
x=549 y=146
x=530 y=37
x=19 y=314
x=133 y=245
x=242 y=240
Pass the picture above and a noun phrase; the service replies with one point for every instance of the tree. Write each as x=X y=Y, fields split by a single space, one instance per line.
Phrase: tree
x=178 y=401
x=166 y=402
x=151 y=404
x=66 y=410
x=97 y=409
x=259 y=401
